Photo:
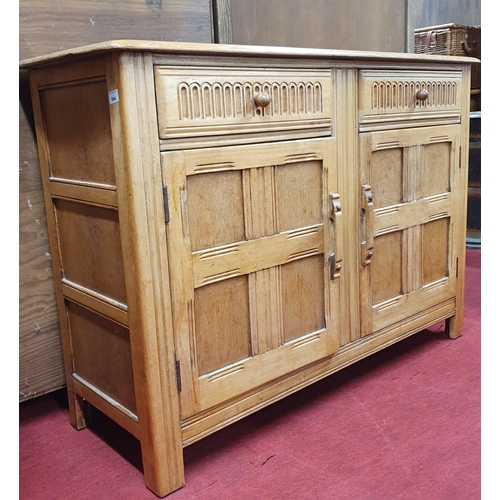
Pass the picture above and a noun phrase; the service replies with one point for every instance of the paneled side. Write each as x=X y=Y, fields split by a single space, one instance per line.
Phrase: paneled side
x=79 y=132
x=101 y=354
x=89 y=242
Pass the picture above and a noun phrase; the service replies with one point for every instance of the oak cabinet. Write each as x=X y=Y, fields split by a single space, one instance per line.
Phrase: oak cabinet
x=230 y=224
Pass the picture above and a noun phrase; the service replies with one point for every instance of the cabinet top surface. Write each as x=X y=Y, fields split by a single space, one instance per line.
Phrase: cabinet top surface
x=199 y=49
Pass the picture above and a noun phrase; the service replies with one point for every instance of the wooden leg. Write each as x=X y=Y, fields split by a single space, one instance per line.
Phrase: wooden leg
x=452 y=328
x=79 y=411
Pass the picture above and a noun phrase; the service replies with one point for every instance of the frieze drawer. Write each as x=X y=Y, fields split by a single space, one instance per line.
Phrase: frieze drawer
x=398 y=96
x=213 y=102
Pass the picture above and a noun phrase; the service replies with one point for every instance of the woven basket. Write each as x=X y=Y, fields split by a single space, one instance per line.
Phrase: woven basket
x=452 y=40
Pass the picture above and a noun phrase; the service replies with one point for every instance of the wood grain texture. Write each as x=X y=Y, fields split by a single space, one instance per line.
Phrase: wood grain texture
x=45 y=27
x=142 y=232
x=320 y=23
x=412 y=177
x=269 y=250
x=40 y=355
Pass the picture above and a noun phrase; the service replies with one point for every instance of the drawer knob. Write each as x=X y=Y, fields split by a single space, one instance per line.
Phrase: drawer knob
x=262 y=99
x=422 y=95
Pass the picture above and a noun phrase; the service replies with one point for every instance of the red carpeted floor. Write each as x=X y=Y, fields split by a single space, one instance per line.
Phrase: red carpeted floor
x=401 y=424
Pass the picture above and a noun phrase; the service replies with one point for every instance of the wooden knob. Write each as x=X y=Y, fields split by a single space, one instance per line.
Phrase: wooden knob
x=262 y=99
x=422 y=95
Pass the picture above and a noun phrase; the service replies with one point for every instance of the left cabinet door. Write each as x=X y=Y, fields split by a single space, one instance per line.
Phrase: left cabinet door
x=254 y=261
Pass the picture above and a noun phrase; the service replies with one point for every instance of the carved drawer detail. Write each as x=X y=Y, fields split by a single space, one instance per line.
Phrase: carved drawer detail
x=207 y=100
x=398 y=95
x=212 y=101
x=390 y=95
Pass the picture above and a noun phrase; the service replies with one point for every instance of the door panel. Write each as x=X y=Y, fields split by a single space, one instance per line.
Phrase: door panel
x=406 y=207
x=216 y=202
x=259 y=297
x=221 y=322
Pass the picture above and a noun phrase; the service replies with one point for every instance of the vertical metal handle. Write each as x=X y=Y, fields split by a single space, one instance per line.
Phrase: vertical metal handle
x=335 y=257
x=366 y=225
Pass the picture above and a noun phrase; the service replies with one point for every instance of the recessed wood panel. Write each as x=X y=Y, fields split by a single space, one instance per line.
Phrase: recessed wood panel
x=222 y=323
x=387 y=267
x=437 y=165
x=101 y=354
x=302 y=297
x=298 y=195
x=78 y=130
x=91 y=253
x=435 y=250
x=215 y=209
x=387 y=177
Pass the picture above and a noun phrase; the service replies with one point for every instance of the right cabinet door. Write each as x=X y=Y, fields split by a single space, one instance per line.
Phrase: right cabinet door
x=407 y=207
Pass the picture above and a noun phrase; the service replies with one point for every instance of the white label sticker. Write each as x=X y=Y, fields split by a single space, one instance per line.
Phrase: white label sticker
x=113 y=96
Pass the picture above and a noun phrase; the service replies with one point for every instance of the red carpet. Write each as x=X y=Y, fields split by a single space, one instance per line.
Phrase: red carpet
x=402 y=424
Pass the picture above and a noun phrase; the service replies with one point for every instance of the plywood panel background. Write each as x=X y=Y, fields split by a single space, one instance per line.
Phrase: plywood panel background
x=45 y=27
x=341 y=24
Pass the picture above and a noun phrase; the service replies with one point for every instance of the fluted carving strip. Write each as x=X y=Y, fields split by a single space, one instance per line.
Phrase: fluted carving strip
x=206 y=100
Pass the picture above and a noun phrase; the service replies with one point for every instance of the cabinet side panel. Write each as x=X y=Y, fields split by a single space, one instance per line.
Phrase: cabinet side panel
x=89 y=242
x=101 y=354
x=78 y=131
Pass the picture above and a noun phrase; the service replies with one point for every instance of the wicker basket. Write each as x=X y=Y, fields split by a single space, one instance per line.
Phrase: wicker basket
x=452 y=40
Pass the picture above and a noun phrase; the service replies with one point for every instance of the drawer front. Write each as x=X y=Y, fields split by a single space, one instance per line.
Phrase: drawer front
x=402 y=95
x=206 y=101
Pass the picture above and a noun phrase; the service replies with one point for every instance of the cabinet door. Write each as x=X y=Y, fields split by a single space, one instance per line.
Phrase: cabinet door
x=254 y=264
x=407 y=205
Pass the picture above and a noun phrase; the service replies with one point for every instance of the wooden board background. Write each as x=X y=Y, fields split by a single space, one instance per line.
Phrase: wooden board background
x=45 y=27
x=342 y=24
x=380 y=25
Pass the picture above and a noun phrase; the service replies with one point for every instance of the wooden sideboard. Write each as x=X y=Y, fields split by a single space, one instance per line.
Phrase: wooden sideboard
x=229 y=224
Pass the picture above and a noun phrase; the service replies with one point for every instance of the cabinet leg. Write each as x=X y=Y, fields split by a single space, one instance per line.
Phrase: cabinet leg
x=452 y=328
x=79 y=411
